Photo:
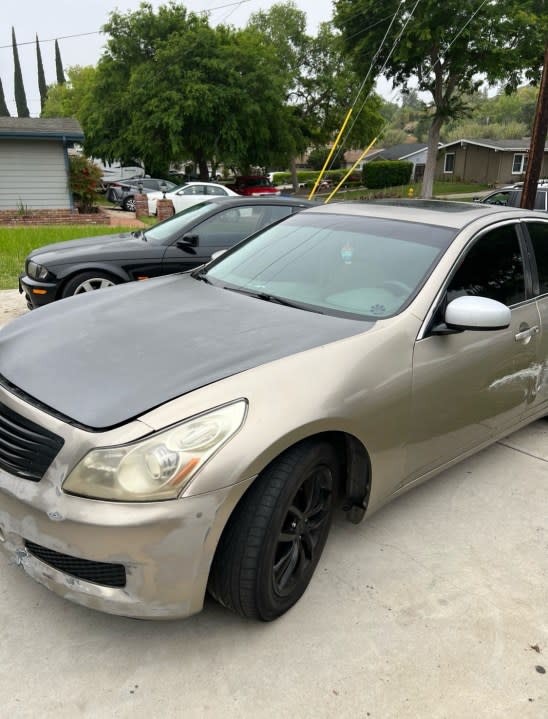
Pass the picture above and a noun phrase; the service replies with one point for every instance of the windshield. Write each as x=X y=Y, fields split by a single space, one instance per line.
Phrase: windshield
x=165 y=231
x=336 y=264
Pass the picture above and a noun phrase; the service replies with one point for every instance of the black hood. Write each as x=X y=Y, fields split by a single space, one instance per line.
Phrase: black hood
x=74 y=250
x=103 y=358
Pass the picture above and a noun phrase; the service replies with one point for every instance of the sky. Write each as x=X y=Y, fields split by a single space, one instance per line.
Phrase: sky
x=58 y=18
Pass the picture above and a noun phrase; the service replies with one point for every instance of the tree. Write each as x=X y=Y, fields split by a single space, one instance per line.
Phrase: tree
x=220 y=99
x=59 y=65
x=67 y=100
x=41 y=77
x=321 y=84
x=448 y=47
x=19 y=88
x=318 y=156
x=4 y=112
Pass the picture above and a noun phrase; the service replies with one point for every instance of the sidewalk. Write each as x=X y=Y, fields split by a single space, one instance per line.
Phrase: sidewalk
x=121 y=218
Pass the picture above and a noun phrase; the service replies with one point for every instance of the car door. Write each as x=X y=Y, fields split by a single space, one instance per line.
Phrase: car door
x=472 y=385
x=538 y=236
x=188 y=196
x=221 y=231
x=215 y=233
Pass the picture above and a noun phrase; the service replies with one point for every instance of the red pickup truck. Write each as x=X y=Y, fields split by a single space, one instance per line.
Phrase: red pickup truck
x=254 y=186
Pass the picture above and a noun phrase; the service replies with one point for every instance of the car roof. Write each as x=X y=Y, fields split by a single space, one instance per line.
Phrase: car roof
x=442 y=213
x=201 y=182
x=276 y=200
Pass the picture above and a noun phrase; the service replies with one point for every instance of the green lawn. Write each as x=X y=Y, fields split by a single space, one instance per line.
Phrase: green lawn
x=17 y=242
x=440 y=188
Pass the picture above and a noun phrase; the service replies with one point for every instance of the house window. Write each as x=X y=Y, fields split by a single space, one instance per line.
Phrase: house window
x=519 y=163
x=449 y=164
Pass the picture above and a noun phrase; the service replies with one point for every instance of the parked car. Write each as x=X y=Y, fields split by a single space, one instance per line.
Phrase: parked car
x=511 y=197
x=200 y=430
x=254 y=186
x=191 y=193
x=180 y=243
x=123 y=193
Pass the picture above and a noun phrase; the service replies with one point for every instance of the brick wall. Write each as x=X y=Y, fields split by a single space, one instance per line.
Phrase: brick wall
x=52 y=217
x=164 y=209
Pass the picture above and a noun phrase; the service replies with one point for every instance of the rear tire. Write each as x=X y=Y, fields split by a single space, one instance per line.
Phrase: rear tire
x=87 y=282
x=275 y=536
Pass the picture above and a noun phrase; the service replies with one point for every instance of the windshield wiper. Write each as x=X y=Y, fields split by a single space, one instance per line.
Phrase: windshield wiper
x=202 y=276
x=275 y=299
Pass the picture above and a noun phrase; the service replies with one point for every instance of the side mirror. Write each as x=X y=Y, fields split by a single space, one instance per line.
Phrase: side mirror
x=477 y=313
x=187 y=241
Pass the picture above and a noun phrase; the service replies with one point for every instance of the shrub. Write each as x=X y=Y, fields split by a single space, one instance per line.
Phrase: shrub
x=386 y=173
x=85 y=178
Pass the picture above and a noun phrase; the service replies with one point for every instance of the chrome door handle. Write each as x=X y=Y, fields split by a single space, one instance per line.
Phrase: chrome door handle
x=526 y=334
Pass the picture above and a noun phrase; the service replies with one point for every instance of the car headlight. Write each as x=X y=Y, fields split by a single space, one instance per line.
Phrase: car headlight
x=36 y=271
x=156 y=467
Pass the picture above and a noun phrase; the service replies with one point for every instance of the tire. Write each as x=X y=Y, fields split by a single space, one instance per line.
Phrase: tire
x=129 y=204
x=270 y=547
x=87 y=282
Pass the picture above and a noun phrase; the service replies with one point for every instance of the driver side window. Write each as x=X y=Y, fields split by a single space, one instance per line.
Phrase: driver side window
x=492 y=268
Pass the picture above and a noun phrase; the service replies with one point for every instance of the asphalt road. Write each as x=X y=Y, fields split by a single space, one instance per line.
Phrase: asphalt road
x=434 y=608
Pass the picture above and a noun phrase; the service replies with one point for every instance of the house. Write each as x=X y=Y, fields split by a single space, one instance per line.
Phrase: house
x=35 y=167
x=350 y=157
x=414 y=152
x=493 y=162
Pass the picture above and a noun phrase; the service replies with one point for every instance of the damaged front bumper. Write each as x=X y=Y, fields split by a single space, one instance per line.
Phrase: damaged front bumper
x=146 y=560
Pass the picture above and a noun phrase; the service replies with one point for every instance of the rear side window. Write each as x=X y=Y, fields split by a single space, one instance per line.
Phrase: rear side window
x=540 y=201
x=492 y=268
x=539 y=237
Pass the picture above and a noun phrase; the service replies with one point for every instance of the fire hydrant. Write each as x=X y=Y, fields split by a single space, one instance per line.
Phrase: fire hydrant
x=410 y=193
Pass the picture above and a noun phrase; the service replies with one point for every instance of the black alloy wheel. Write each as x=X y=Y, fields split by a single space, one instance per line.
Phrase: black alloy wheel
x=275 y=536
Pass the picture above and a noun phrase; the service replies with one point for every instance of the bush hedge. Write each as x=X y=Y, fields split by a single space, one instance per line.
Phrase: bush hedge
x=386 y=173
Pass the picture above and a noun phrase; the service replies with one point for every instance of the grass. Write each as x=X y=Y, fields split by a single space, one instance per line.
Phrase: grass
x=440 y=188
x=17 y=242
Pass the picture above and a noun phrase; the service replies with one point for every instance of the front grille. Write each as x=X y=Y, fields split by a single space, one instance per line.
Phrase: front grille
x=26 y=449
x=109 y=575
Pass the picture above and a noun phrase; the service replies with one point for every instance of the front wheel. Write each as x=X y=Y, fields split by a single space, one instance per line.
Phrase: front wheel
x=87 y=282
x=275 y=536
x=129 y=204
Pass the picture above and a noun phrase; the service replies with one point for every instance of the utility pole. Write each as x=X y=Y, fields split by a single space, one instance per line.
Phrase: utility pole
x=538 y=141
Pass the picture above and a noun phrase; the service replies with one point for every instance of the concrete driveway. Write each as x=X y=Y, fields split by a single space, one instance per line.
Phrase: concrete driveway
x=434 y=608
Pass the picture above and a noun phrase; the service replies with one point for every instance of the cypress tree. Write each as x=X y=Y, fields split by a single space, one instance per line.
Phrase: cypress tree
x=41 y=77
x=59 y=65
x=19 y=88
x=4 y=112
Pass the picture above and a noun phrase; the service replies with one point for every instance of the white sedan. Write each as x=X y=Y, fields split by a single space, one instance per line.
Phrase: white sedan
x=189 y=194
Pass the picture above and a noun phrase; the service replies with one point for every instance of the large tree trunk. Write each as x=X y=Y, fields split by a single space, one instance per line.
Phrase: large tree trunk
x=204 y=172
x=431 y=157
x=294 y=178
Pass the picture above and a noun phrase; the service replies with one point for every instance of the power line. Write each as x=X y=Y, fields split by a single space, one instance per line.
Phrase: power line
x=98 y=32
